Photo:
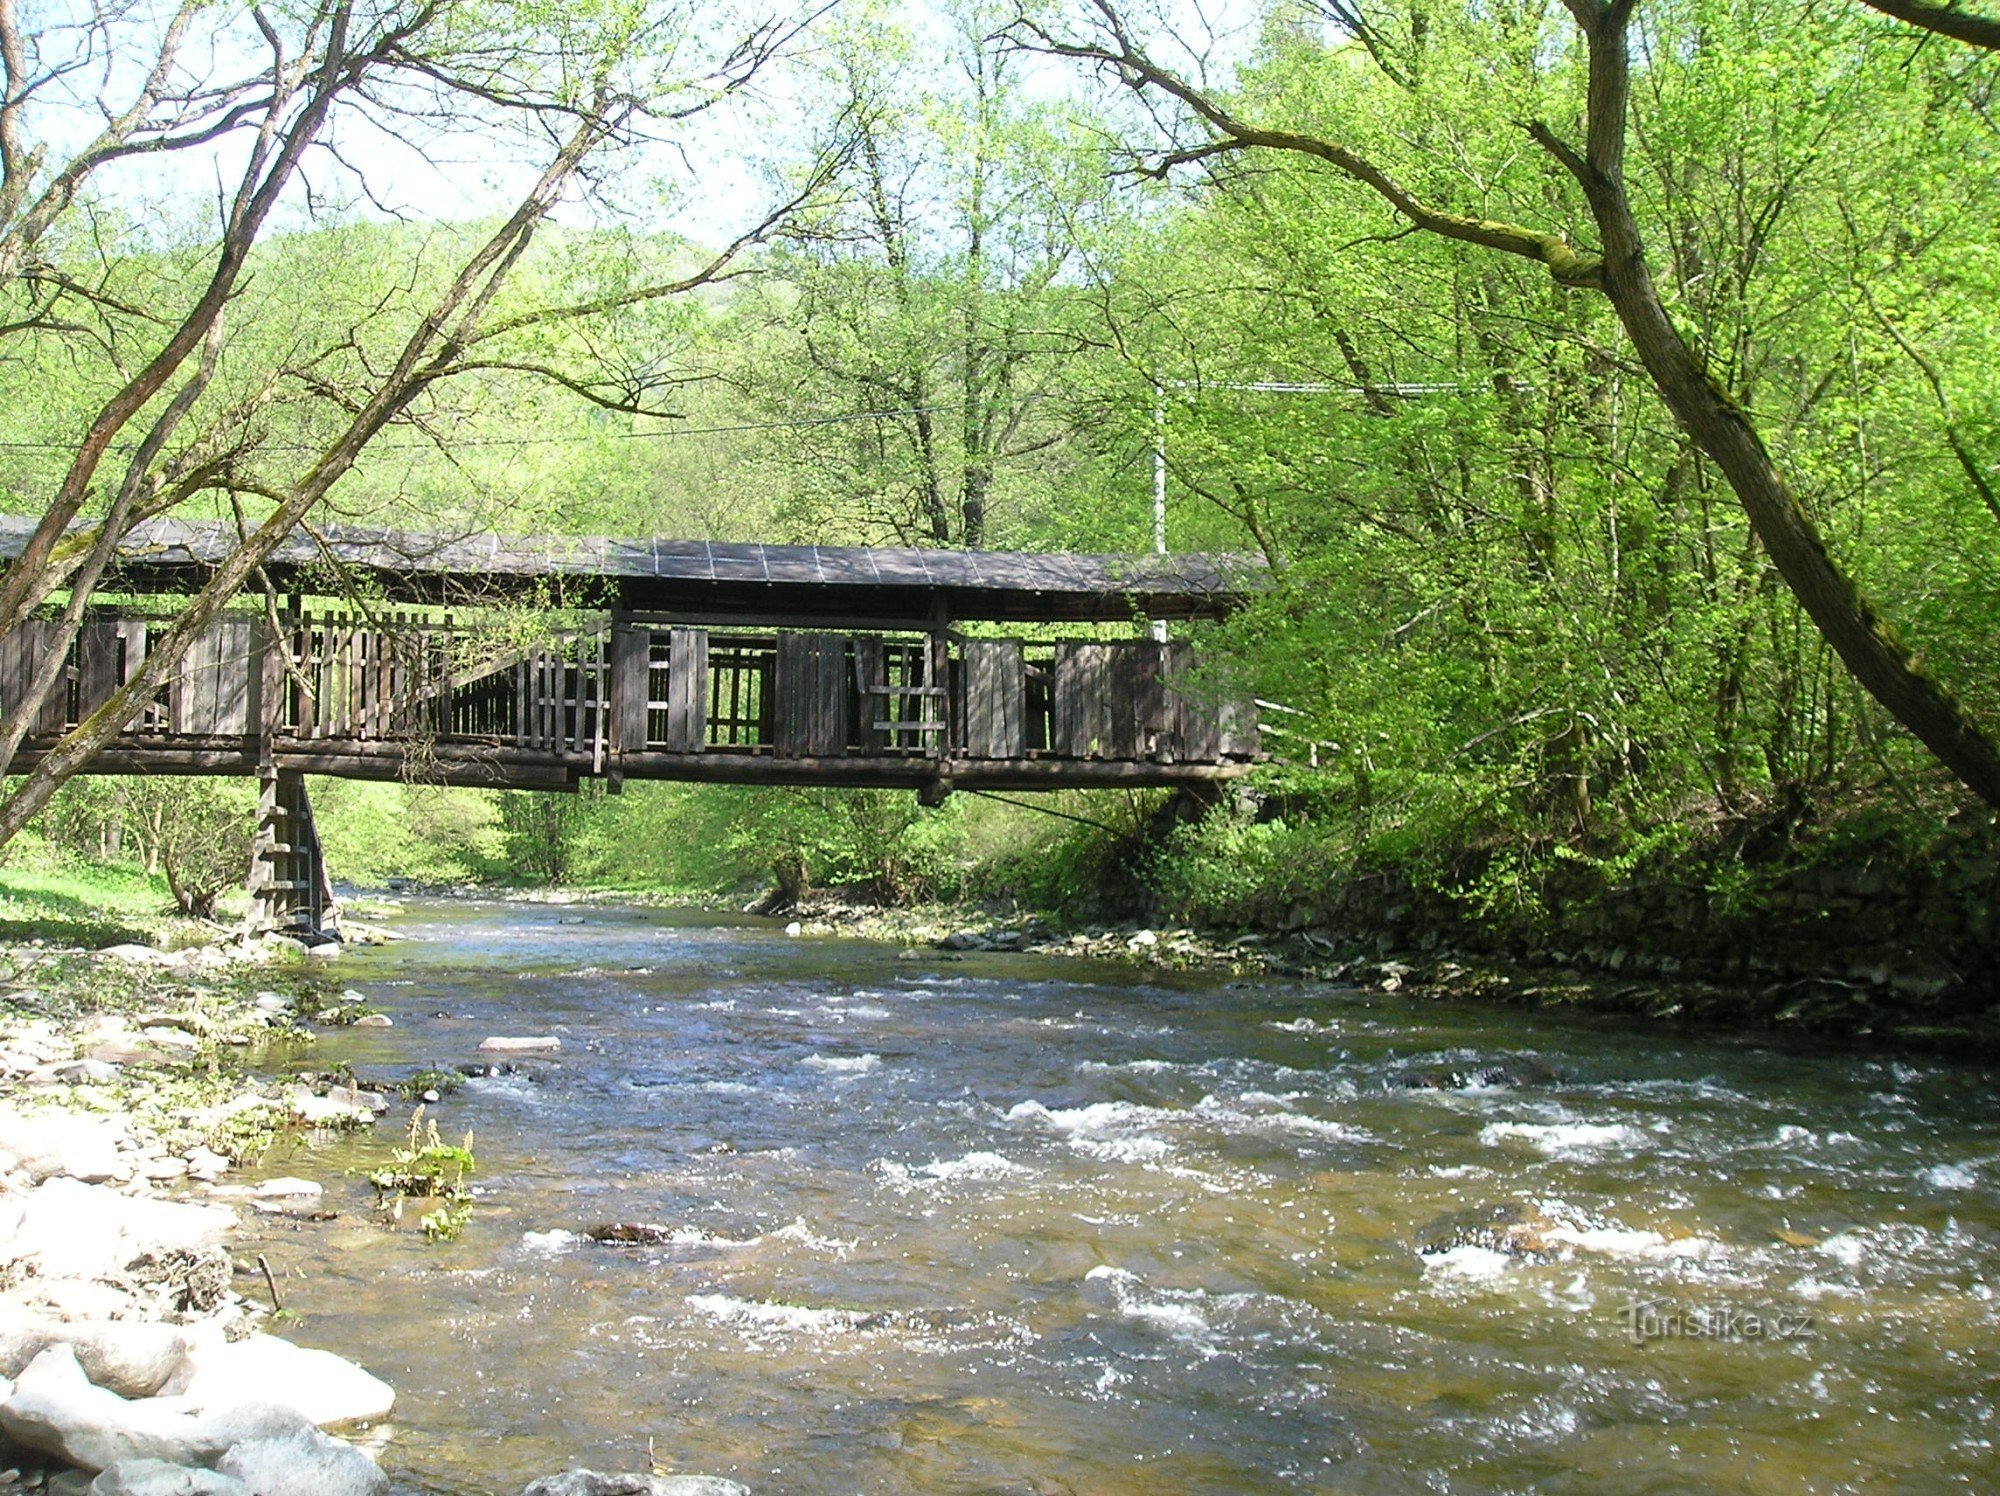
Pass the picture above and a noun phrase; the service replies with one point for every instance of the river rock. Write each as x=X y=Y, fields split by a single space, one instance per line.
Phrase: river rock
x=134 y=955
x=117 y=1051
x=319 y=1386
x=78 y=1230
x=54 y=1409
x=128 y=1357
x=342 y=1107
x=87 y=1072
x=374 y=1020
x=49 y=1145
x=1514 y=1070
x=530 y=1044
x=1508 y=1226
x=303 y=1463
x=158 y=1478
x=591 y=1483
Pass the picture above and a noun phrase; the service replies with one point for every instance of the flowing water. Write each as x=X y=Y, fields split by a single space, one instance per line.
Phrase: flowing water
x=1016 y=1224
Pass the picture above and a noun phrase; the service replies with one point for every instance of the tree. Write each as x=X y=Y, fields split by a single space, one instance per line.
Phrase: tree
x=581 y=90
x=1716 y=422
x=920 y=317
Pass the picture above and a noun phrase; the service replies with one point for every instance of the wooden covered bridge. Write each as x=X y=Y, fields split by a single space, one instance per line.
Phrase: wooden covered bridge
x=538 y=664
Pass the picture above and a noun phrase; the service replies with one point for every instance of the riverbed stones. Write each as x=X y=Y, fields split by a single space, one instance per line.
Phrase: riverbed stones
x=375 y=1020
x=50 y=1145
x=54 y=1409
x=206 y=1165
x=134 y=955
x=159 y=1478
x=593 y=1483
x=1512 y=1071
x=304 y=1462
x=1509 y=1226
x=71 y=1229
x=86 y=1072
x=128 y=1357
x=340 y=1108
x=520 y=1044
x=319 y=1386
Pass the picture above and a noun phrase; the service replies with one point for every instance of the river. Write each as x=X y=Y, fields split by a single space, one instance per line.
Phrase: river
x=1007 y=1223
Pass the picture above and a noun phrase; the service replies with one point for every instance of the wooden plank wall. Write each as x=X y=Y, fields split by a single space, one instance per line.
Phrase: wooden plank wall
x=687 y=691
x=639 y=687
x=995 y=699
x=871 y=688
x=212 y=692
x=1081 y=725
x=1120 y=701
x=812 y=719
x=20 y=656
x=631 y=686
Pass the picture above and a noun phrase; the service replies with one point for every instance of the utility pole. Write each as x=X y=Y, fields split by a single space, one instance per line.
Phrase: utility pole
x=1160 y=489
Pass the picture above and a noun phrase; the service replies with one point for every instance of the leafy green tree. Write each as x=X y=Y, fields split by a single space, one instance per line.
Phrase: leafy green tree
x=1457 y=83
x=910 y=335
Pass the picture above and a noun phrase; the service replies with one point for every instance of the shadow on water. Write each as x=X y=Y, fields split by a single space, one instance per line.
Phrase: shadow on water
x=1009 y=1223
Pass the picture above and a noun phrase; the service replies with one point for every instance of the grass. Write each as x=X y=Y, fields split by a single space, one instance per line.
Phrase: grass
x=91 y=905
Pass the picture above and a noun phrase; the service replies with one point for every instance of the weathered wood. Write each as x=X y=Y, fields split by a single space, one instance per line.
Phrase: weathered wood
x=99 y=662
x=1082 y=708
x=871 y=689
x=687 y=690
x=21 y=655
x=1237 y=720
x=812 y=718
x=623 y=699
x=631 y=685
x=1133 y=700
x=995 y=698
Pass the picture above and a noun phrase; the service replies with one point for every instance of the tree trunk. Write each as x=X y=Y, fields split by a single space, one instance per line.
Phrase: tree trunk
x=1865 y=644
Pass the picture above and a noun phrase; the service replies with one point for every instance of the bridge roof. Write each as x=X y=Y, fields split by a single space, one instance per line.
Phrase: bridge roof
x=705 y=576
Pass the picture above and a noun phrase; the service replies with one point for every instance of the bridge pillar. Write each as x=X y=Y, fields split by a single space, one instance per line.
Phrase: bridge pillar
x=290 y=892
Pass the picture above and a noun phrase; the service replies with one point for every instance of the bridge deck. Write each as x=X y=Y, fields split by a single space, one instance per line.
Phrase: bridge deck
x=624 y=697
x=678 y=660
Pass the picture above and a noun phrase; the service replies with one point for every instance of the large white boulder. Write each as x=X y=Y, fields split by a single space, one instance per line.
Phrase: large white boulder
x=343 y=1106
x=318 y=1385
x=520 y=1044
x=305 y=1463
x=128 y=1357
x=594 y=1483
x=158 y=1478
x=55 y=1409
x=49 y=1145
x=75 y=1230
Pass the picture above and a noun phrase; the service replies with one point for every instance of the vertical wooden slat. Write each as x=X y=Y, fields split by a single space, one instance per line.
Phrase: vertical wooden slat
x=97 y=672
x=631 y=669
x=234 y=662
x=871 y=680
x=1081 y=705
x=55 y=717
x=687 y=690
x=20 y=653
x=793 y=666
x=1132 y=698
x=995 y=698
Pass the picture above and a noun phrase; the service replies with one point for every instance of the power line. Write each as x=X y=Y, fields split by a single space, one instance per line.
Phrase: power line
x=795 y=423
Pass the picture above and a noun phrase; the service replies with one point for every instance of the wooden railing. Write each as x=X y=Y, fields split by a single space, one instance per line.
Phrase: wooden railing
x=627 y=689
